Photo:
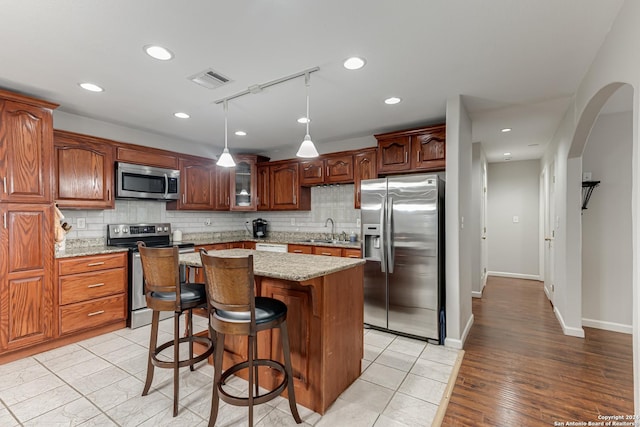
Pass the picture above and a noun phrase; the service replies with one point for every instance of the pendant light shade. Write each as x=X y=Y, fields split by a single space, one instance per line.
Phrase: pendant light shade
x=307 y=149
x=225 y=160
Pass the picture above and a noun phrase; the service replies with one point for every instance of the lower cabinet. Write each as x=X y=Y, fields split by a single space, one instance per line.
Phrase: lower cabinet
x=92 y=291
x=26 y=276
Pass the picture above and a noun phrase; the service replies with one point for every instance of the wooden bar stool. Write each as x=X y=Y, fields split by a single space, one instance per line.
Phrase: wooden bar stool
x=164 y=292
x=235 y=310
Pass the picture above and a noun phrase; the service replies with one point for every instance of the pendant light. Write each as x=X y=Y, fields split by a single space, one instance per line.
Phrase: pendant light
x=307 y=149
x=225 y=160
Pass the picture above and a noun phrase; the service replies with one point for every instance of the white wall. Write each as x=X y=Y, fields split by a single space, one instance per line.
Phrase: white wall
x=478 y=165
x=513 y=191
x=88 y=126
x=606 y=242
x=458 y=212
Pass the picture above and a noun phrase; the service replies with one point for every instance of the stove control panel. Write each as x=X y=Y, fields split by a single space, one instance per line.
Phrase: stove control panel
x=138 y=230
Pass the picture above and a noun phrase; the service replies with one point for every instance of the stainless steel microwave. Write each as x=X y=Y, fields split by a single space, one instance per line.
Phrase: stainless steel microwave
x=146 y=182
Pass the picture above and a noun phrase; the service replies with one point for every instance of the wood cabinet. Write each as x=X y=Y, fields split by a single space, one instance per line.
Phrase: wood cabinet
x=92 y=291
x=351 y=253
x=26 y=149
x=84 y=172
x=222 y=193
x=422 y=149
x=364 y=167
x=300 y=249
x=243 y=180
x=327 y=251
x=197 y=178
x=330 y=169
x=262 y=191
x=26 y=275
x=140 y=155
x=429 y=149
x=285 y=190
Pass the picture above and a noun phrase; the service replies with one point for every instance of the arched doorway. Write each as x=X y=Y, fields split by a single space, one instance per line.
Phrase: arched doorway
x=573 y=294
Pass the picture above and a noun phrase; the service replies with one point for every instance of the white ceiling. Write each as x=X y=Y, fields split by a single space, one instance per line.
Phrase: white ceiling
x=516 y=62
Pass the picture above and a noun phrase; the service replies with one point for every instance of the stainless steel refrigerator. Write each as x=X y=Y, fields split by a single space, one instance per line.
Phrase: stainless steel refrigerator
x=403 y=245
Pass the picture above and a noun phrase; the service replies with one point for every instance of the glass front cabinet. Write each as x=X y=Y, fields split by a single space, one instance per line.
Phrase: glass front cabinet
x=243 y=182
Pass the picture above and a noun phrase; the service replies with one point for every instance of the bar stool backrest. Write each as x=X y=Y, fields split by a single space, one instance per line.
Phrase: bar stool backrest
x=230 y=287
x=161 y=272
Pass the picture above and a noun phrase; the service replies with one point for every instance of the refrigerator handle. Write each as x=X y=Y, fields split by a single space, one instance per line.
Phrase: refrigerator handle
x=389 y=235
x=383 y=258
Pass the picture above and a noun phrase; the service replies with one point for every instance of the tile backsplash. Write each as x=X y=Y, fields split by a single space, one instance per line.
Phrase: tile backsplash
x=334 y=201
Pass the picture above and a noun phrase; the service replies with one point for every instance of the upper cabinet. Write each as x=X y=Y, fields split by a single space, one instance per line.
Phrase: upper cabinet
x=222 y=193
x=262 y=187
x=365 y=167
x=140 y=155
x=243 y=179
x=429 y=149
x=83 y=171
x=26 y=149
x=420 y=149
x=285 y=190
x=197 y=180
x=330 y=169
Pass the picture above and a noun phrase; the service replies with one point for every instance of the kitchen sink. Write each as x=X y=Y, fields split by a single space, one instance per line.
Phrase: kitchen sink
x=319 y=241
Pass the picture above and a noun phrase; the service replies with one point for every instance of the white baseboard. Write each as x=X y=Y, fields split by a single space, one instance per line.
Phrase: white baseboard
x=514 y=275
x=459 y=344
x=607 y=326
x=567 y=330
x=476 y=294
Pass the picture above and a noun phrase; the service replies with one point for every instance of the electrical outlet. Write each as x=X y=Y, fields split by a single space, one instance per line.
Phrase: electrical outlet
x=81 y=223
x=293 y=221
x=358 y=222
x=207 y=221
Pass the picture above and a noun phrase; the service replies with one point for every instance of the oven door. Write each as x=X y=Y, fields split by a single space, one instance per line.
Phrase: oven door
x=139 y=314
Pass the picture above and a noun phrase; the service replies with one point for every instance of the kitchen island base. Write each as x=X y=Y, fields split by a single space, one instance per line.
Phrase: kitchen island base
x=325 y=322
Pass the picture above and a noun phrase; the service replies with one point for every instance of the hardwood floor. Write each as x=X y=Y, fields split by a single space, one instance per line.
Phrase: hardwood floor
x=520 y=370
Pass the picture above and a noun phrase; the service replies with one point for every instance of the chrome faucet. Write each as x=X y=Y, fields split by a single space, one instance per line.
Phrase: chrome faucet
x=333 y=227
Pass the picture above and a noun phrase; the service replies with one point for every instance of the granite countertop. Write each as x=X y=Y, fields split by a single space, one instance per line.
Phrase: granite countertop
x=89 y=250
x=82 y=248
x=287 y=266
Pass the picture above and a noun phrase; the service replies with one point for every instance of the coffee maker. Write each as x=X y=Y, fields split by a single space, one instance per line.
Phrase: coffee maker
x=260 y=228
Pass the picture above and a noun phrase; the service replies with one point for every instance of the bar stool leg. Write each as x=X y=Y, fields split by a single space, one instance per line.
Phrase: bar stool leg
x=176 y=360
x=189 y=319
x=250 y=353
x=217 y=374
x=284 y=336
x=153 y=342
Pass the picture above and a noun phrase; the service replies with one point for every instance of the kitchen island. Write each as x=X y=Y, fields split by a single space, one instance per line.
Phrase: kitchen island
x=324 y=296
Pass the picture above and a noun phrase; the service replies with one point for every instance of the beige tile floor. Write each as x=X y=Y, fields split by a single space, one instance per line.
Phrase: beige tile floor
x=98 y=382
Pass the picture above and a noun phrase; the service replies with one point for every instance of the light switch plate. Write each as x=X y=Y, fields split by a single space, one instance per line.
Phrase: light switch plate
x=516 y=219
x=81 y=223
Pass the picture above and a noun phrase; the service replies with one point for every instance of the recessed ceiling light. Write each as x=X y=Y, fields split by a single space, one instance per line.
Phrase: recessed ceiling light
x=505 y=130
x=241 y=133
x=181 y=115
x=507 y=154
x=158 y=52
x=354 y=63
x=91 y=87
x=392 y=100
x=303 y=120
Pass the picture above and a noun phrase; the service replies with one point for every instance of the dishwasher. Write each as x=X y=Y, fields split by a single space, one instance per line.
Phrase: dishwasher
x=271 y=247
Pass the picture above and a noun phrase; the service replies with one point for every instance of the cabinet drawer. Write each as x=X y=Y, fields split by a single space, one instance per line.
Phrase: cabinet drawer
x=351 y=253
x=326 y=251
x=86 y=286
x=90 y=263
x=86 y=315
x=300 y=249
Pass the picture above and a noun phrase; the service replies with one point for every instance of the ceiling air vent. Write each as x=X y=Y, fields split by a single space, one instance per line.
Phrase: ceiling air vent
x=210 y=79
